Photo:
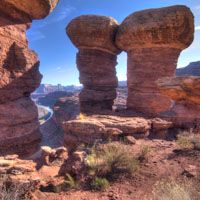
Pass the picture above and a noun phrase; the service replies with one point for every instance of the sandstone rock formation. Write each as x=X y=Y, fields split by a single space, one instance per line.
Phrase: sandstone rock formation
x=153 y=40
x=96 y=60
x=94 y=128
x=19 y=127
x=186 y=93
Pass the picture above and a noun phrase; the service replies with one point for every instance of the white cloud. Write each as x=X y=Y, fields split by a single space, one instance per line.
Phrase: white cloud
x=197 y=7
x=197 y=28
x=35 y=35
x=58 y=68
x=63 y=13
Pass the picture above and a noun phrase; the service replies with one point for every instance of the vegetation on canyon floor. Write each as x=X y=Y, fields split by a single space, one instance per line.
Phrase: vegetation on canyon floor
x=189 y=140
x=175 y=190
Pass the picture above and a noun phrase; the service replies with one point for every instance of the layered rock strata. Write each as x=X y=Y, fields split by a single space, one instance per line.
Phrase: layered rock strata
x=153 y=39
x=96 y=60
x=185 y=91
x=19 y=127
x=92 y=129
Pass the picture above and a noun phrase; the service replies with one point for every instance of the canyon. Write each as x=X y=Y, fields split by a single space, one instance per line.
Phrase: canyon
x=154 y=109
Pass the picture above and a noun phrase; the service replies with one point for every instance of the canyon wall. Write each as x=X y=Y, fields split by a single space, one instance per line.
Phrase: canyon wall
x=19 y=72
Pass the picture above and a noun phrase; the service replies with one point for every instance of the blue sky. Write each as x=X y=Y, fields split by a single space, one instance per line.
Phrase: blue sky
x=57 y=54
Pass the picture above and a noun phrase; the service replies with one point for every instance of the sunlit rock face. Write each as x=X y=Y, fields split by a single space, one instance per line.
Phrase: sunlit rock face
x=153 y=39
x=19 y=75
x=96 y=59
x=185 y=91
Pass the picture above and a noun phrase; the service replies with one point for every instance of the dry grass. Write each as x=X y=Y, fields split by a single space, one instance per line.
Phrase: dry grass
x=189 y=140
x=10 y=190
x=144 y=153
x=113 y=158
x=81 y=116
x=174 y=190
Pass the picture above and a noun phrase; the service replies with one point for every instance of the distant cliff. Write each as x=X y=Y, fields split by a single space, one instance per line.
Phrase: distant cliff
x=48 y=88
x=192 y=69
x=51 y=98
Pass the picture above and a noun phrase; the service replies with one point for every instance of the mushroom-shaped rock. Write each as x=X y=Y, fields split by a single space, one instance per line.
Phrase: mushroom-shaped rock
x=154 y=39
x=36 y=9
x=96 y=60
x=19 y=72
x=186 y=93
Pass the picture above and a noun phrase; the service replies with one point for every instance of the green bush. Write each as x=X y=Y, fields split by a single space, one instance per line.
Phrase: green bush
x=68 y=184
x=113 y=158
x=99 y=184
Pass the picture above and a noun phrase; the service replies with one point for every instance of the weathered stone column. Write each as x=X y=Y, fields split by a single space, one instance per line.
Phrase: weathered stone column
x=96 y=60
x=153 y=39
x=19 y=75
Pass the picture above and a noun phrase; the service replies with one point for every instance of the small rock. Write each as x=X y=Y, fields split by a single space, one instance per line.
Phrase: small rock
x=61 y=153
x=79 y=155
x=190 y=171
x=11 y=157
x=130 y=139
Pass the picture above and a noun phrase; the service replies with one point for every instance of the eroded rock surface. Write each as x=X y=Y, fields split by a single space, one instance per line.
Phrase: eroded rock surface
x=93 y=128
x=153 y=39
x=186 y=93
x=96 y=60
x=19 y=127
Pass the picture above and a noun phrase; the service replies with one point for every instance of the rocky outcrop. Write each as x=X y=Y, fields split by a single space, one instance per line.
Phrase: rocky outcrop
x=19 y=127
x=96 y=60
x=153 y=39
x=182 y=88
x=186 y=93
x=94 y=128
x=51 y=98
x=193 y=69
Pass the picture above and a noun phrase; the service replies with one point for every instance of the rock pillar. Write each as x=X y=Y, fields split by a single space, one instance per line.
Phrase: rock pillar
x=19 y=75
x=153 y=39
x=94 y=36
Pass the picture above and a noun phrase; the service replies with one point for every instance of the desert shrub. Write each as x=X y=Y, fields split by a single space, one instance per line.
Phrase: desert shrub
x=12 y=190
x=113 y=158
x=196 y=142
x=188 y=140
x=144 y=153
x=99 y=184
x=68 y=184
x=174 y=190
x=70 y=181
x=82 y=116
x=184 y=141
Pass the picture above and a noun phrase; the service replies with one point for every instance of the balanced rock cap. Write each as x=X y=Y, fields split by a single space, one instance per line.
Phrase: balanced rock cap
x=171 y=27
x=36 y=9
x=94 y=32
